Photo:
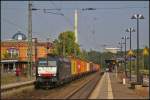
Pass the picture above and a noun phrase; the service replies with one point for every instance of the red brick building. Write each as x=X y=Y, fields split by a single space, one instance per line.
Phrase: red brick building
x=14 y=53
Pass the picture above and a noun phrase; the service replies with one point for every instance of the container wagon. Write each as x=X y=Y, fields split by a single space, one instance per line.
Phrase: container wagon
x=55 y=70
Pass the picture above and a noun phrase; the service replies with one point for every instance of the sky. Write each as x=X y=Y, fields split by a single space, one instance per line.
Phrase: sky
x=105 y=25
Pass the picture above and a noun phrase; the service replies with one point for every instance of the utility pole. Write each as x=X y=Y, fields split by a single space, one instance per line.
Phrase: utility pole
x=29 y=39
x=121 y=50
x=125 y=54
x=35 y=56
x=130 y=30
x=125 y=58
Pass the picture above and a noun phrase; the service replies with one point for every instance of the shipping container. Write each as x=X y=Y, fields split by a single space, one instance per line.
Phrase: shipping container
x=88 y=67
x=73 y=66
x=78 y=61
x=91 y=67
x=82 y=66
x=85 y=67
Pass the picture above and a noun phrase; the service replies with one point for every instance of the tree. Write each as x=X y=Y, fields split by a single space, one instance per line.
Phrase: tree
x=65 y=44
x=5 y=55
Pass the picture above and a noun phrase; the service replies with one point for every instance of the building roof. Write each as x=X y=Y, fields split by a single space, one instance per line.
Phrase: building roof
x=20 y=43
x=19 y=36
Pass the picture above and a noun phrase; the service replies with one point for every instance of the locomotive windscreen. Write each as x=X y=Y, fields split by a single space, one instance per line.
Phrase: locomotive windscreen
x=52 y=63
x=44 y=68
x=42 y=63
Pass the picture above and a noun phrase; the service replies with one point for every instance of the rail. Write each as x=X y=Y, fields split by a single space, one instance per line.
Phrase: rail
x=82 y=86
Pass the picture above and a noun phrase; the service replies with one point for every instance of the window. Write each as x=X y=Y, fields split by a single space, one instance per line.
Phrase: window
x=42 y=63
x=52 y=63
x=13 y=52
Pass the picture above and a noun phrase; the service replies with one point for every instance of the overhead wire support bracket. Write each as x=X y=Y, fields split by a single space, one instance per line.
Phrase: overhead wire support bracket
x=53 y=12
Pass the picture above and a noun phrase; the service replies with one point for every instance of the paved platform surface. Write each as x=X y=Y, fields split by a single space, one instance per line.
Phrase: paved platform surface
x=16 y=84
x=110 y=88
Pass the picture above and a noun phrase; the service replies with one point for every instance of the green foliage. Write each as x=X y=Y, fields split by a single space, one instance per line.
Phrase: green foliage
x=143 y=60
x=7 y=55
x=96 y=57
x=65 y=44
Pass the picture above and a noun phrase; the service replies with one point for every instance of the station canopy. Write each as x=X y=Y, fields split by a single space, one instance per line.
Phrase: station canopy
x=112 y=50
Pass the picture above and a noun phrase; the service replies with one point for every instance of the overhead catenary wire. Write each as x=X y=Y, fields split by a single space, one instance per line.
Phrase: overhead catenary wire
x=66 y=18
x=19 y=27
x=14 y=24
x=104 y=8
x=94 y=2
x=96 y=8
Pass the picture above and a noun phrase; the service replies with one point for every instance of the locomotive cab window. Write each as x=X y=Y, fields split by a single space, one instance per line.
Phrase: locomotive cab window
x=42 y=63
x=52 y=63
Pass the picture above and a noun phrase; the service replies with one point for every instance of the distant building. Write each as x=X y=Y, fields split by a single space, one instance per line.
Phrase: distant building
x=14 y=52
x=112 y=50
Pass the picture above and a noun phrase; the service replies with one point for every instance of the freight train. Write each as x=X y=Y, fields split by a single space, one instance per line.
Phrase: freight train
x=54 y=71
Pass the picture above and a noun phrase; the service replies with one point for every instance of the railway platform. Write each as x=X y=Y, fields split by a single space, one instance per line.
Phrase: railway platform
x=109 y=87
x=16 y=84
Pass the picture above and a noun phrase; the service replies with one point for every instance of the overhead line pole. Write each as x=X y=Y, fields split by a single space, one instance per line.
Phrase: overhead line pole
x=121 y=50
x=130 y=30
x=125 y=55
x=29 y=39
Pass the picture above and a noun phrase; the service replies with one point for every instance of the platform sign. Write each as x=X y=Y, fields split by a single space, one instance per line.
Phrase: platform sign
x=130 y=53
x=132 y=59
x=145 y=52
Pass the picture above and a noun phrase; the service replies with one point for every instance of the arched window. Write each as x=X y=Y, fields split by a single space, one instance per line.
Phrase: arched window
x=13 y=52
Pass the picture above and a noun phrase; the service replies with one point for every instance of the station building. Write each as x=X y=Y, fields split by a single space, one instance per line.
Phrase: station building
x=14 y=52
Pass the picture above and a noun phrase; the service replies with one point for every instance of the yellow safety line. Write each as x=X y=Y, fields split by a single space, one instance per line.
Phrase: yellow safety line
x=110 y=94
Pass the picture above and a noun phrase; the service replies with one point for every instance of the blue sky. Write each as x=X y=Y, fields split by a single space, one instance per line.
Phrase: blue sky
x=105 y=25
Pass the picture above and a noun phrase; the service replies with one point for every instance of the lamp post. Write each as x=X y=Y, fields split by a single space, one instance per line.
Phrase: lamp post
x=120 y=43
x=137 y=17
x=130 y=30
x=125 y=37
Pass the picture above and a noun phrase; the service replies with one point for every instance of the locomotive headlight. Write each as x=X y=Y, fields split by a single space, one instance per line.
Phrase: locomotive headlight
x=39 y=74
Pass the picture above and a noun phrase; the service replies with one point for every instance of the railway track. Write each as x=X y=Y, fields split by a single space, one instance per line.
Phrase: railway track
x=74 y=89
x=84 y=91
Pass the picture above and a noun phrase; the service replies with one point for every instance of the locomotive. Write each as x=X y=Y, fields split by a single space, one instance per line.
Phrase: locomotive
x=54 y=70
